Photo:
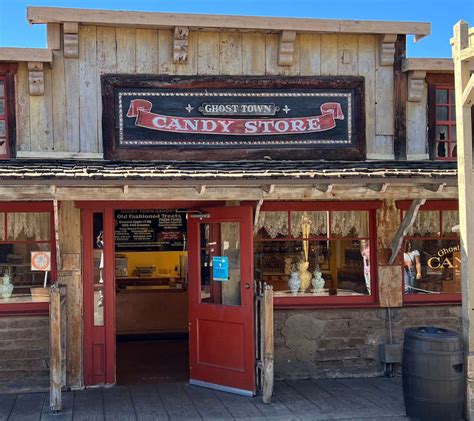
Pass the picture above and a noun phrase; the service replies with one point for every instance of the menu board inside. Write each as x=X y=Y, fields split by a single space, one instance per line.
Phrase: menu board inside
x=150 y=230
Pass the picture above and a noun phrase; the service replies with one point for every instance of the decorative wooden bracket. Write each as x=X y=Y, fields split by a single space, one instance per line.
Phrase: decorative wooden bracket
x=180 y=44
x=257 y=215
x=71 y=39
x=36 y=78
x=416 y=84
x=201 y=189
x=378 y=187
x=269 y=189
x=387 y=49
x=286 y=48
x=406 y=224
x=437 y=188
x=324 y=188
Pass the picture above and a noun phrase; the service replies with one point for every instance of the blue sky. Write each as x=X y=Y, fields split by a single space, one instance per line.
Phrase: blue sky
x=443 y=14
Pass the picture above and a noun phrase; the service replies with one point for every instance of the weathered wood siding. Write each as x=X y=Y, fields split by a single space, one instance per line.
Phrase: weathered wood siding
x=68 y=117
x=417 y=127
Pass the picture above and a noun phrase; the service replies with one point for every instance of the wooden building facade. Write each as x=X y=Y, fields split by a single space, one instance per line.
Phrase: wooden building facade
x=141 y=150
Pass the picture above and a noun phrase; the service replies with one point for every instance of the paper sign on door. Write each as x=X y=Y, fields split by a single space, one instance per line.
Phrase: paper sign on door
x=220 y=268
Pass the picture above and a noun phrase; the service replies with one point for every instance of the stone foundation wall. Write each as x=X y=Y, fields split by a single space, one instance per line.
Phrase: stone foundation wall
x=345 y=342
x=24 y=353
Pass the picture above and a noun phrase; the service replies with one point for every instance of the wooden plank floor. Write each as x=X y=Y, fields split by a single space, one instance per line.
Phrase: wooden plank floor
x=341 y=399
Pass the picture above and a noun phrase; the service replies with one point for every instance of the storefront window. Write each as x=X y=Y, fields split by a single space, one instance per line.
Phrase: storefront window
x=431 y=255
x=300 y=257
x=21 y=234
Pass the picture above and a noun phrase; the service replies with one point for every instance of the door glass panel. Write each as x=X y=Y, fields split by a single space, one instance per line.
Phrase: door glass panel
x=220 y=263
x=98 y=238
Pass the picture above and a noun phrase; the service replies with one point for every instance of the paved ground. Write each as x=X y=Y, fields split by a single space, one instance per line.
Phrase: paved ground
x=354 y=399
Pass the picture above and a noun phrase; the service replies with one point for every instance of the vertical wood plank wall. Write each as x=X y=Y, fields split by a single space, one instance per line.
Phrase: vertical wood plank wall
x=68 y=117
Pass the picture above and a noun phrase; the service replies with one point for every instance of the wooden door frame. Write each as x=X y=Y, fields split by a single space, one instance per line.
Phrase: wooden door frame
x=107 y=208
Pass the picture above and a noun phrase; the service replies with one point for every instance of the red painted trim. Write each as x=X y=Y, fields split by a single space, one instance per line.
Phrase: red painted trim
x=8 y=67
x=25 y=309
x=109 y=291
x=320 y=205
x=26 y=207
x=443 y=298
x=430 y=205
x=150 y=204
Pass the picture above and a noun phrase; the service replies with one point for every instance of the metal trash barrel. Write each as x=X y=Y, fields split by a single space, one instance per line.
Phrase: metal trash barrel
x=433 y=373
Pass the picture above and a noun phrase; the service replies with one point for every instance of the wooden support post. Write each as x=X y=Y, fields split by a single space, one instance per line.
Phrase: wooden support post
x=268 y=344
x=462 y=42
x=55 y=378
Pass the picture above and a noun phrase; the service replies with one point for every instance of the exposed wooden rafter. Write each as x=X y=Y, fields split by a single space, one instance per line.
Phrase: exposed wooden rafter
x=378 y=187
x=437 y=188
x=269 y=189
x=324 y=188
x=201 y=189
x=257 y=214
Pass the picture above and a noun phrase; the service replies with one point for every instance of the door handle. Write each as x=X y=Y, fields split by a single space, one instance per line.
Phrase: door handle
x=247 y=285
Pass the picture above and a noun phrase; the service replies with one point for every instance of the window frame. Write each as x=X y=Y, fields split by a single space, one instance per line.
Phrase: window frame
x=334 y=300
x=428 y=299
x=7 y=74
x=31 y=308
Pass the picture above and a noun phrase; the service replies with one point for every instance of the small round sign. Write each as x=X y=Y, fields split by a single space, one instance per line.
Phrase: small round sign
x=41 y=260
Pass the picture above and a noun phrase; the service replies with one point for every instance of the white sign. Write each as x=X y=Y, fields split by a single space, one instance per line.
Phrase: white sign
x=41 y=261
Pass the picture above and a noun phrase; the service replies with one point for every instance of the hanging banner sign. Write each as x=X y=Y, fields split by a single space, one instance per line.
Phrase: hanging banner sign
x=220 y=268
x=255 y=118
x=140 y=108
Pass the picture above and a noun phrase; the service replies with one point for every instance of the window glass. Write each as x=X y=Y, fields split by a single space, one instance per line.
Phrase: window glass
x=27 y=226
x=2 y=128
x=441 y=96
x=2 y=106
x=445 y=124
x=432 y=267
x=450 y=223
x=350 y=224
x=2 y=88
x=99 y=301
x=441 y=113
x=15 y=269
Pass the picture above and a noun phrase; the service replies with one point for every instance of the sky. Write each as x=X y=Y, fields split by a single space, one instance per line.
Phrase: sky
x=15 y=31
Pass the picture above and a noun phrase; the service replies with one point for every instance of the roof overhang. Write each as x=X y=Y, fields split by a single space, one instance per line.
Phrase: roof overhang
x=10 y=54
x=222 y=22
x=430 y=65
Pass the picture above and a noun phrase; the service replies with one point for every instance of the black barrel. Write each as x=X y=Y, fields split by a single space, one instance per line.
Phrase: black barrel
x=433 y=373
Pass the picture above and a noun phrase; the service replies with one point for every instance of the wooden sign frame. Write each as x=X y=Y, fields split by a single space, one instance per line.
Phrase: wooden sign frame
x=111 y=125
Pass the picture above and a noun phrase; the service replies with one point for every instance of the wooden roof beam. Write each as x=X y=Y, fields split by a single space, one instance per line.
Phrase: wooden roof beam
x=41 y=55
x=224 y=22
x=324 y=188
x=378 y=187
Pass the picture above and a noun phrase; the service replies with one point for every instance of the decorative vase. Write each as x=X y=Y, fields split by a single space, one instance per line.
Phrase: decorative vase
x=7 y=287
x=317 y=282
x=304 y=275
x=294 y=282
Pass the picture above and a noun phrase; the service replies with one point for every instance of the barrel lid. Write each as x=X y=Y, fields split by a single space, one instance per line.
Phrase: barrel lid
x=432 y=333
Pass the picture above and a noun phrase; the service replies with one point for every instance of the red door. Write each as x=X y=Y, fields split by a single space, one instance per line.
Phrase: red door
x=221 y=322
x=99 y=296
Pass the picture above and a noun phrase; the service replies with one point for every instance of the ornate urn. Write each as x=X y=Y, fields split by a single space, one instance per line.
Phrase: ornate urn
x=317 y=282
x=294 y=282
x=7 y=287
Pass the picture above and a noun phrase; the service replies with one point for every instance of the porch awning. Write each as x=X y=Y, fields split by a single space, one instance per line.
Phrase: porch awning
x=262 y=170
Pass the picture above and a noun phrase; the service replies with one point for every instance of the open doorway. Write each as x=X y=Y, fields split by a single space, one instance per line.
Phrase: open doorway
x=151 y=296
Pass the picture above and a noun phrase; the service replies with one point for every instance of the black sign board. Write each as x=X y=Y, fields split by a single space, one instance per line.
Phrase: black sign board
x=181 y=118
x=149 y=230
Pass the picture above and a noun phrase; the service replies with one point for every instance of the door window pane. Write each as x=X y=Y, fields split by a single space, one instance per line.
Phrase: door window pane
x=34 y=226
x=99 y=297
x=220 y=263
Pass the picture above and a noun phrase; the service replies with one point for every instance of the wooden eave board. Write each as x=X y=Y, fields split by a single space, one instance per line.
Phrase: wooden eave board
x=430 y=65
x=11 y=54
x=224 y=22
